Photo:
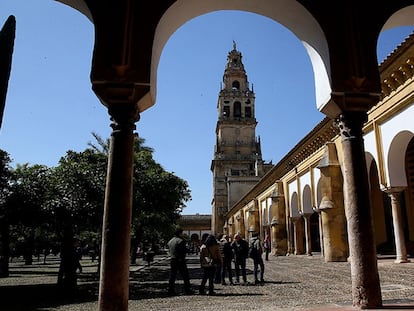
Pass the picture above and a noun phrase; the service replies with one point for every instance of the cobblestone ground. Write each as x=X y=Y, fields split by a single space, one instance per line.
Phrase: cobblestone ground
x=292 y=283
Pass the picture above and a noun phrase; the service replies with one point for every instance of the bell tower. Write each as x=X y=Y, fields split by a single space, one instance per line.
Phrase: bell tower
x=237 y=164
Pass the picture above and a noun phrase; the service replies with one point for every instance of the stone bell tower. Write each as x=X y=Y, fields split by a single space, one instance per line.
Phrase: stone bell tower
x=237 y=164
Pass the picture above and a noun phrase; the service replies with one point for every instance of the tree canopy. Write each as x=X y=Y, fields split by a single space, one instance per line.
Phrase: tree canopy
x=48 y=205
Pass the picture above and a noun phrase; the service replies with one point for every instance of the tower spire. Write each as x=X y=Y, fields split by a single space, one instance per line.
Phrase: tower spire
x=237 y=163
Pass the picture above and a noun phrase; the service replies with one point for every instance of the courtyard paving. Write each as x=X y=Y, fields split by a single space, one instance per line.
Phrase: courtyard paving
x=292 y=283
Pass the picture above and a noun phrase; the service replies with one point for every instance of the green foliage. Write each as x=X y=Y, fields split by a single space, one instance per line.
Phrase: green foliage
x=29 y=187
x=77 y=191
x=158 y=199
x=4 y=222
x=5 y=172
x=47 y=205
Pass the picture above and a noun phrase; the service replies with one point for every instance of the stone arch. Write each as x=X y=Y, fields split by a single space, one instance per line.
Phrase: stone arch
x=294 y=205
x=369 y=158
x=381 y=216
x=307 y=200
x=318 y=192
x=311 y=224
x=267 y=213
x=315 y=232
x=81 y=6
x=402 y=17
x=288 y=13
x=236 y=85
x=297 y=225
x=407 y=202
x=237 y=109
x=396 y=159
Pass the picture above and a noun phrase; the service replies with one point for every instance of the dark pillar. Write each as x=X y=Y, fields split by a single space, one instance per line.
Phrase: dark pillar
x=7 y=35
x=114 y=279
x=366 y=291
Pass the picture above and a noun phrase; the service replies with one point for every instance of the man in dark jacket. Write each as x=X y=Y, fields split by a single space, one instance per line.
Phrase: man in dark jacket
x=227 y=256
x=240 y=250
x=178 y=250
x=256 y=255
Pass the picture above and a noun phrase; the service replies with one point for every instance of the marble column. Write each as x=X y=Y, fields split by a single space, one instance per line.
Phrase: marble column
x=297 y=235
x=320 y=230
x=401 y=252
x=366 y=291
x=308 y=246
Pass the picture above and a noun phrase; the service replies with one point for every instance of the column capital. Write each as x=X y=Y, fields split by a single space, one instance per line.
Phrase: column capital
x=121 y=99
x=305 y=215
x=350 y=124
x=123 y=116
x=350 y=101
x=117 y=93
x=394 y=190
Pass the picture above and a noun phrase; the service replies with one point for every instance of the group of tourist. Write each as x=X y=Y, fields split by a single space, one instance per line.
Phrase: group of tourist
x=217 y=255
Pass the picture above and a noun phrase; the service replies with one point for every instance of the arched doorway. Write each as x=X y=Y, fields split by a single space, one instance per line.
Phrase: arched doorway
x=315 y=233
x=407 y=202
x=381 y=213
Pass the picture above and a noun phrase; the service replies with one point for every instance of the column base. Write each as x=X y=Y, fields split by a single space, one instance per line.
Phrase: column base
x=402 y=260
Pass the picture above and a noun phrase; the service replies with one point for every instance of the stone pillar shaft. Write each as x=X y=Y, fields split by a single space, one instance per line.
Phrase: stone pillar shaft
x=290 y=236
x=297 y=236
x=366 y=290
x=334 y=245
x=279 y=228
x=308 y=246
x=114 y=278
x=321 y=233
x=400 y=249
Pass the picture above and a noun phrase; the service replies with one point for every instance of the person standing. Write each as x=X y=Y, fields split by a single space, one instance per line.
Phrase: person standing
x=217 y=277
x=227 y=256
x=69 y=265
x=255 y=252
x=267 y=246
x=210 y=258
x=240 y=249
x=178 y=250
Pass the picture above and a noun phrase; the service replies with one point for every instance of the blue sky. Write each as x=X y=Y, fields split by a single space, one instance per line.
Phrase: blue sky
x=50 y=107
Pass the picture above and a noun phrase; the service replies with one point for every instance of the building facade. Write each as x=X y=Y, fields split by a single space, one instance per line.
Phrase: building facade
x=237 y=164
x=301 y=202
x=194 y=226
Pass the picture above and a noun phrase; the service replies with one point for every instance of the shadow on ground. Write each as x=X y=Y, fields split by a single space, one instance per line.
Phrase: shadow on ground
x=42 y=296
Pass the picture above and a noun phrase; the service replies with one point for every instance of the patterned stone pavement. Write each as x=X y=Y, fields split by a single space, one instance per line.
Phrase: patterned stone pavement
x=292 y=283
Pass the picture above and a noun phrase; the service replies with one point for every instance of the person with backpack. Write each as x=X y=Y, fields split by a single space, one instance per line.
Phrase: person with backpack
x=240 y=250
x=255 y=253
x=210 y=260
